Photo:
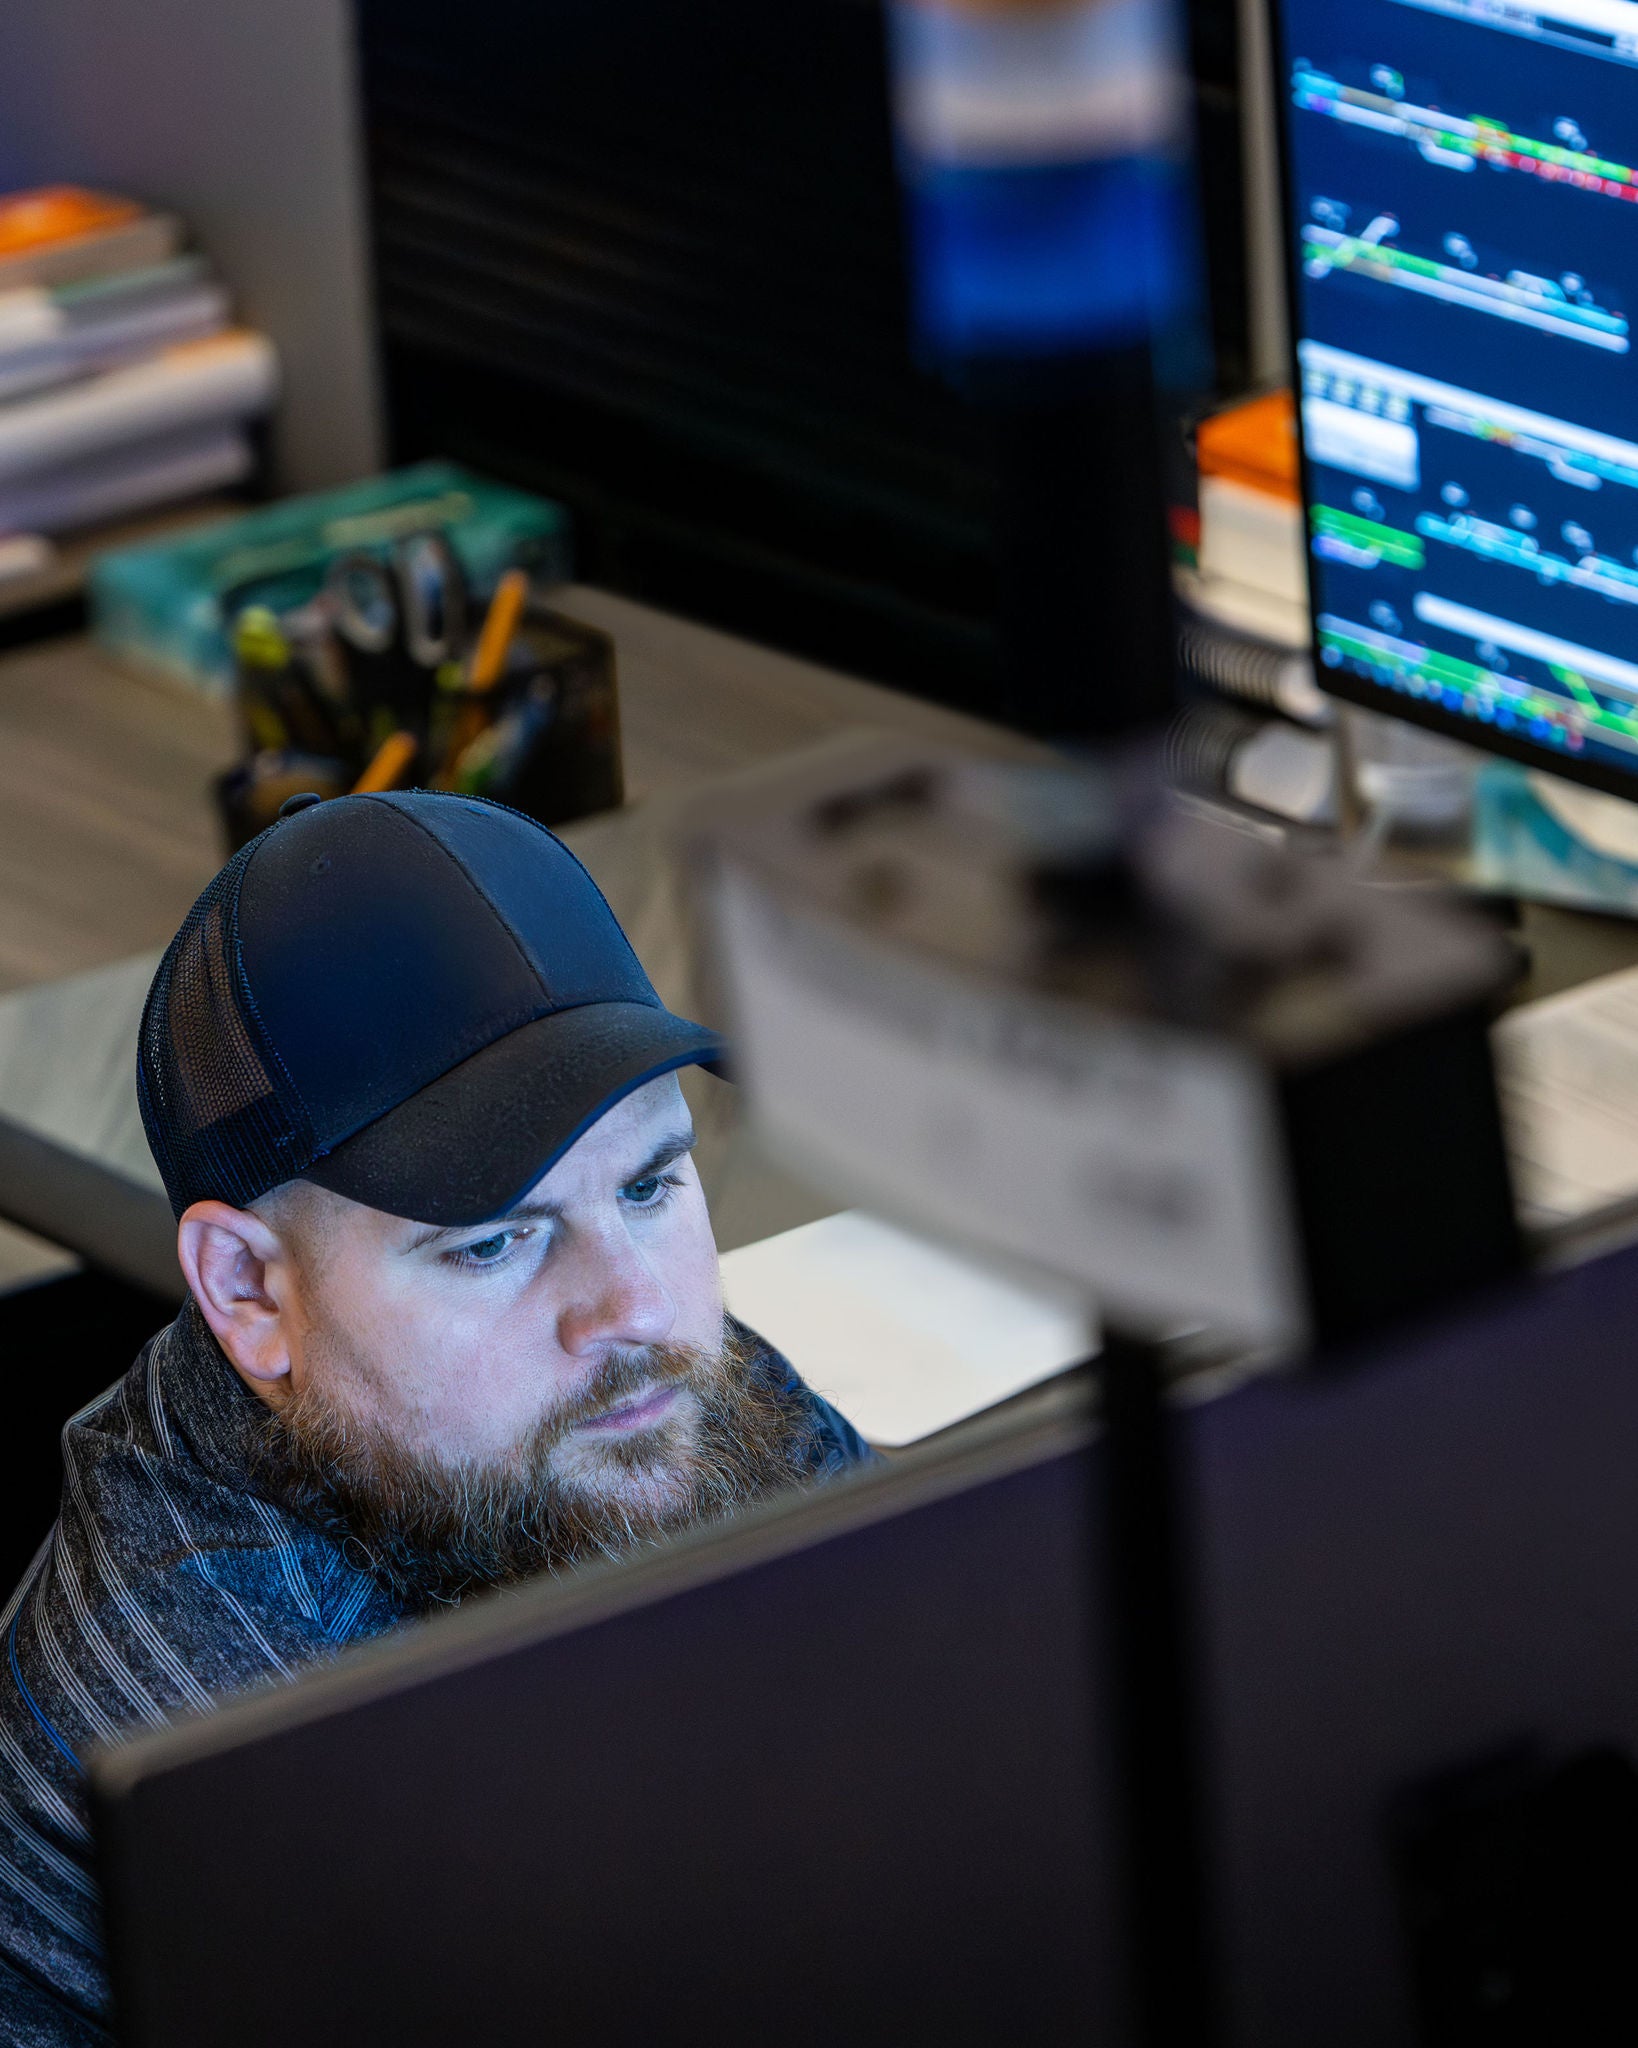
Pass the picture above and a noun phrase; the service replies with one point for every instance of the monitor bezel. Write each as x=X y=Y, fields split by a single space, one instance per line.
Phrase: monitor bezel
x=1337 y=682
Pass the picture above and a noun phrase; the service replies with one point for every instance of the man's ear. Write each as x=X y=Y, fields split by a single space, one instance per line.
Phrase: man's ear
x=232 y=1262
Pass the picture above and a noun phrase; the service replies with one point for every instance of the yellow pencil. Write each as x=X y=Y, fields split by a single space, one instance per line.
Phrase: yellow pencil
x=499 y=626
x=392 y=759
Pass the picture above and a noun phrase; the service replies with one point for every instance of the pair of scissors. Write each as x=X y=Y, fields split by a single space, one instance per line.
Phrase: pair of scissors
x=399 y=618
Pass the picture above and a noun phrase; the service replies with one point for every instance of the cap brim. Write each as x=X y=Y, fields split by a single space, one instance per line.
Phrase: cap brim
x=472 y=1144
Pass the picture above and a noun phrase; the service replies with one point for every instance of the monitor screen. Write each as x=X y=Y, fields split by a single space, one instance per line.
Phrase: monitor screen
x=1462 y=193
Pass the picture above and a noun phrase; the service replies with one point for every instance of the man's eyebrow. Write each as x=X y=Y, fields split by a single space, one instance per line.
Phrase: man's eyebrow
x=670 y=1148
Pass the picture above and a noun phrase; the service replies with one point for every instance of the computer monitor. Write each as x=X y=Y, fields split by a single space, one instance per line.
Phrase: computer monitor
x=1461 y=178
x=833 y=1774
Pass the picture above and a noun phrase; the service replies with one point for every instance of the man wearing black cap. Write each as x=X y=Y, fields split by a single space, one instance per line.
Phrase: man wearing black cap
x=455 y=1313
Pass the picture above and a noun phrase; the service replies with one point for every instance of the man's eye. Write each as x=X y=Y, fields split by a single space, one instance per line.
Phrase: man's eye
x=487 y=1251
x=648 y=1192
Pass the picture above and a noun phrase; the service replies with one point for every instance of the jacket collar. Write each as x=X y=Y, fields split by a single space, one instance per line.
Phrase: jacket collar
x=198 y=1403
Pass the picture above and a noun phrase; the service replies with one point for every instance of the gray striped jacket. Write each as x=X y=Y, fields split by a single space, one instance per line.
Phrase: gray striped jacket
x=167 y=1582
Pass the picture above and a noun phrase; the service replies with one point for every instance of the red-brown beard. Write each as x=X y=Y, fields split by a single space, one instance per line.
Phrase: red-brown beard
x=433 y=1530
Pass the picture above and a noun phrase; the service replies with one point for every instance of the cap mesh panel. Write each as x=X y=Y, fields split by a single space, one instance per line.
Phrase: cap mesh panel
x=223 y=1120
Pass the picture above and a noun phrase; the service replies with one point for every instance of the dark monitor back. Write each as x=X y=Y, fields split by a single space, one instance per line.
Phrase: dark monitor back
x=825 y=1777
x=1419 y=1573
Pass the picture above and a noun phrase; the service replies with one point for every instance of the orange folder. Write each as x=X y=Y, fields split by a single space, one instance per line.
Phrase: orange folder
x=58 y=213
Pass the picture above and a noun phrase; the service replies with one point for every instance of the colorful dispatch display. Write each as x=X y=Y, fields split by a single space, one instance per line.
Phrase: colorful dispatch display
x=1466 y=278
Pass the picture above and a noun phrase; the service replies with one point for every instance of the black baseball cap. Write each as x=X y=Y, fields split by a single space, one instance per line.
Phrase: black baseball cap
x=417 y=1000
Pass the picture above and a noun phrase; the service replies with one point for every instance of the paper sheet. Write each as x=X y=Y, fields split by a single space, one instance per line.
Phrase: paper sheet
x=1568 y=1068
x=903 y=1336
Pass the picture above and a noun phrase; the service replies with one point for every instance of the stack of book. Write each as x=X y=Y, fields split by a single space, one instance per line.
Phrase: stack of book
x=123 y=383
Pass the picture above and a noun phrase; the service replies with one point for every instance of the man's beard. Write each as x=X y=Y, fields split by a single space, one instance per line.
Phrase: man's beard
x=433 y=1530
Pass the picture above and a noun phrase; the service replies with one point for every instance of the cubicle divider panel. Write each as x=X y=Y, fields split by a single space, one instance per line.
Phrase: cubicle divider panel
x=648 y=260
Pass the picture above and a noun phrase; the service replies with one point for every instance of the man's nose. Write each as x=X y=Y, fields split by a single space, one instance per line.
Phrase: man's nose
x=615 y=1299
